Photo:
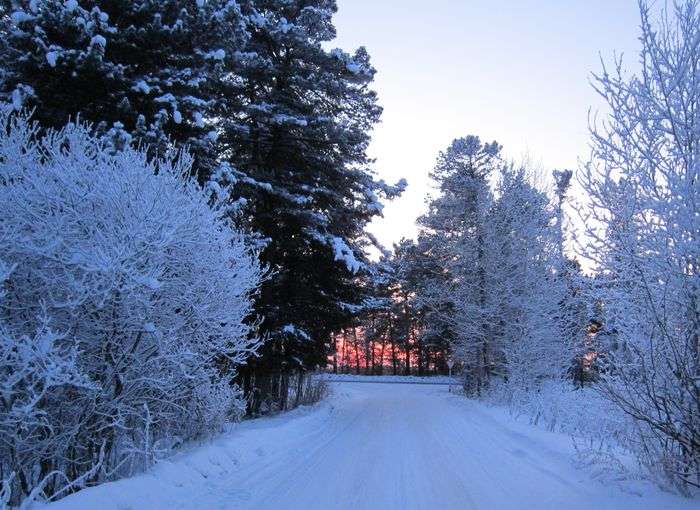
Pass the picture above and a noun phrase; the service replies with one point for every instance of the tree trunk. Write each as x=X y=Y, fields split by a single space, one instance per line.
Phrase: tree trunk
x=408 y=357
x=394 y=360
x=344 y=357
x=357 y=351
x=419 y=351
x=335 y=354
x=381 y=356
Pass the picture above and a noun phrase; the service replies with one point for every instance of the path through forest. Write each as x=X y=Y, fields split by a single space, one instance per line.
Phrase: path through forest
x=378 y=446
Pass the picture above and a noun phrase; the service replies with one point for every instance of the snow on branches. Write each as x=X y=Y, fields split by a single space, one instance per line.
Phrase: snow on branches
x=642 y=191
x=122 y=309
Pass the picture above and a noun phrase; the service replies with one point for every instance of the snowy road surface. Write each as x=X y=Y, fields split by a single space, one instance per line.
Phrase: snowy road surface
x=377 y=446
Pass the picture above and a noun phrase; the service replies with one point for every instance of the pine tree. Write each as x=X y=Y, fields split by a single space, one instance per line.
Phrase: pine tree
x=416 y=272
x=297 y=151
x=496 y=286
x=455 y=229
x=148 y=71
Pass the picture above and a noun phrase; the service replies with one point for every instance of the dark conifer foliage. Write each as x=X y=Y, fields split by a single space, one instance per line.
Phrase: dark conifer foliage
x=298 y=152
x=147 y=71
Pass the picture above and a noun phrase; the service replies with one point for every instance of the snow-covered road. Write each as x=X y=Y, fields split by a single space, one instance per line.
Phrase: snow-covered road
x=377 y=446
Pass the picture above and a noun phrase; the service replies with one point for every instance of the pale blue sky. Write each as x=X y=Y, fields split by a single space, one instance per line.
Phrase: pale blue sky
x=516 y=71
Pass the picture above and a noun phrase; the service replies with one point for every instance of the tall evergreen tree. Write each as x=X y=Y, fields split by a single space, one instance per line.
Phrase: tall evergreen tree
x=454 y=228
x=298 y=154
x=150 y=71
x=416 y=272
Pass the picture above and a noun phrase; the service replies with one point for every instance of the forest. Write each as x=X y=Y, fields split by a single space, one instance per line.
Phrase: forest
x=185 y=190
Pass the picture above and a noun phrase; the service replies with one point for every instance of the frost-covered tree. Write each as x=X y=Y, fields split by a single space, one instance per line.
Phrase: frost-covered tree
x=525 y=289
x=643 y=189
x=143 y=70
x=123 y=296
x=297 y=150
x=574 y=311
x=496 y=283
x=455 y=231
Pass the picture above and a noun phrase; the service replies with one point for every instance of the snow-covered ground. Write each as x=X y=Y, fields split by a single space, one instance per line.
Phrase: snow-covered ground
x=377 y=446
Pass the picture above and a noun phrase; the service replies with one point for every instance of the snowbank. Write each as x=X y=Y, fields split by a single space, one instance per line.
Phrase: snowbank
x=186 y=479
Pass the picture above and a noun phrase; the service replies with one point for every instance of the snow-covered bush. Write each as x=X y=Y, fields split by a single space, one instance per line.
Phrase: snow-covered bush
x=557 y=405
x=122 y=311
x=601 y=432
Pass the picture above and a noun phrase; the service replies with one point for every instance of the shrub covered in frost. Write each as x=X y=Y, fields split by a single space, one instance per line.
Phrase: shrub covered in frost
x=122 y=308
x=603 y=435
x=641 y=187
x=559 y=406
